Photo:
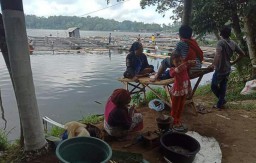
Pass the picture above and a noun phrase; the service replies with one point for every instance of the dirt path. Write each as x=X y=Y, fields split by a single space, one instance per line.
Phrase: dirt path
x=235 y=130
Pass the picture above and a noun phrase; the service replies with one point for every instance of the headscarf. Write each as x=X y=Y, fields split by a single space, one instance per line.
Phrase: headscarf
x=135 y=46
x=194 y=50
x=120 y=97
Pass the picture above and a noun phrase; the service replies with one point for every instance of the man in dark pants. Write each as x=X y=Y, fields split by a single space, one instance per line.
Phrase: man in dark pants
x=222 y=65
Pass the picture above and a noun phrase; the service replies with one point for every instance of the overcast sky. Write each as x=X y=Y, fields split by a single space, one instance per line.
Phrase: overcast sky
x=128 y=10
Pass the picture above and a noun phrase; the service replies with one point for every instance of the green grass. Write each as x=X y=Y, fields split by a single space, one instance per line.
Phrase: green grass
x=242 y=106
x=13 y=154
x=56 y=131
x=136 y=99
x=150 y=95
x=3 y=140
x=203 y=90
x=93 y=119
x=235 y=85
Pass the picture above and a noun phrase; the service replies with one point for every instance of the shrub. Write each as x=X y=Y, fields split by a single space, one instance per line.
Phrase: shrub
x=3 y=140
x=150 y=95
x=93 y=119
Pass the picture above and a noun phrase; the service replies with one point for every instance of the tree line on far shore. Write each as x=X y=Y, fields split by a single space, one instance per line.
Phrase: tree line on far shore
x=95 y=24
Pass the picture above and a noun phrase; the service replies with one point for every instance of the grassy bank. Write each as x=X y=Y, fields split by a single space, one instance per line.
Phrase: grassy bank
x=233 y=96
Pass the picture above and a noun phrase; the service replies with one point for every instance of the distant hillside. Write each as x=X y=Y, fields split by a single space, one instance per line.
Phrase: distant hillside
x=92 y=24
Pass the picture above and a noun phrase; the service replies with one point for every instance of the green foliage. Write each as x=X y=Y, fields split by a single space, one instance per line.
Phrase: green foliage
x=3 y=140
x=136 y=99
x=88 y=23
x=13 y=154
x=56 y=131
x=206 y=42
x=93 y=119
x=242 y=106
x=150 y=95
x=209 y=16
x=203 y=90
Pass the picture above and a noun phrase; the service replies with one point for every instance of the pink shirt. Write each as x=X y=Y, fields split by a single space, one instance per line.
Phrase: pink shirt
x=108 y=108
x=181 y=84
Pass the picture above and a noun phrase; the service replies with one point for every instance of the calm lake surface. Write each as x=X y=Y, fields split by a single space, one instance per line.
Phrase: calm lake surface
x=68 y=86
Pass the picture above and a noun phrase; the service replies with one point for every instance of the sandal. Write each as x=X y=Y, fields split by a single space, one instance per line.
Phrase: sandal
x=180 y=128
x=215 y=107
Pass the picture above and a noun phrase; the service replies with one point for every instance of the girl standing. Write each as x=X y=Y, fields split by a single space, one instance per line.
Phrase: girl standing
x=181 y=88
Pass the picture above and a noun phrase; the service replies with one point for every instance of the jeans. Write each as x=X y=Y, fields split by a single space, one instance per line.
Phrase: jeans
x=219 y=87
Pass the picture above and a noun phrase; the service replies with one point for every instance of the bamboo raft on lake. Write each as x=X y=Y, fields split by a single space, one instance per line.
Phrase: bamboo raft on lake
x=97 y=44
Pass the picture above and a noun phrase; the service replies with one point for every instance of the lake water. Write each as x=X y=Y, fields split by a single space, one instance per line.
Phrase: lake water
x=68 y=86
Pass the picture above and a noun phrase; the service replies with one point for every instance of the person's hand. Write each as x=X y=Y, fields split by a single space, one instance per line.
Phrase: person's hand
x=153 y=78
x=180 y=68
x=192 y=62
x=135 y=78
x=176 y=70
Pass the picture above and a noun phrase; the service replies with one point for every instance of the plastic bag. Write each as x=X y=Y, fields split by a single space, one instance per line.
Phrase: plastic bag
x=156 y=105
x=250 y=87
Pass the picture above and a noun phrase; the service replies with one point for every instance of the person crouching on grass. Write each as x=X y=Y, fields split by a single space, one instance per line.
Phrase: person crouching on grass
x=119 y=119
x=180 y=90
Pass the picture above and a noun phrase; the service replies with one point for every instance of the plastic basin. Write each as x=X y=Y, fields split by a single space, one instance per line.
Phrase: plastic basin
x=179 y=148
x=83 y=149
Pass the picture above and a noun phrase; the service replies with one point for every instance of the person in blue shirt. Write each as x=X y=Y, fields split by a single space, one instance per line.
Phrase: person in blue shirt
x=137 y=63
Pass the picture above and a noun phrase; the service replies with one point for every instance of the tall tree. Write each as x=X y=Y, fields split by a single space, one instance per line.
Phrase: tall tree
x=210 y=15
x=186 y=18
x=4 y=51
x=249 y=25
x=21 y=73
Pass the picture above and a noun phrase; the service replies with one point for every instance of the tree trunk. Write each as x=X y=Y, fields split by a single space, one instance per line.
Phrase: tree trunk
x=237 y=29
x=249 y=25
x=186 y=18
x=17 y=43
x=4 y=51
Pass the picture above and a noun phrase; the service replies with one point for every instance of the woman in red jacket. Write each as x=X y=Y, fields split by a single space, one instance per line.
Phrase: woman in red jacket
x=119 y=119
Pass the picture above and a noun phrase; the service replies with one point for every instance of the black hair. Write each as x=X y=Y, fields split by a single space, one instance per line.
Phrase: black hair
x=135 y=46
x=185 y=31
x=225 y=32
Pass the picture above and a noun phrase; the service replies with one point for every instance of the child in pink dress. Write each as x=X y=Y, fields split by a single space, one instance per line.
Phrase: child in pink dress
x=181 y=88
